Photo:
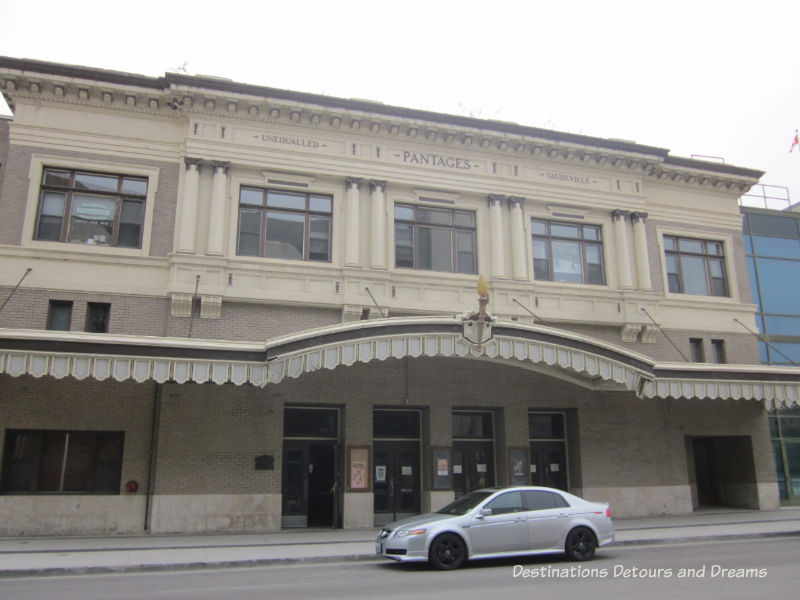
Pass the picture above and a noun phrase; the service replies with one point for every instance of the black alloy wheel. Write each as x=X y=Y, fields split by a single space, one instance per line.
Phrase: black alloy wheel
x=448 y=551
x=581 y=544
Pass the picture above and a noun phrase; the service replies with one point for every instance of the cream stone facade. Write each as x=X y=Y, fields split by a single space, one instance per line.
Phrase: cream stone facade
x=231 y=307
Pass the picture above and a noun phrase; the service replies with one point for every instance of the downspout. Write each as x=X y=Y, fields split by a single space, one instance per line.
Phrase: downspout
x=151 y=461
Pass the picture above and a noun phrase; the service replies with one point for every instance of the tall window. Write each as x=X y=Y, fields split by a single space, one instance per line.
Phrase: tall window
x=99 y=209
x=97 y=314
x=695 y=266
x=436 y=239
x=567 y=252
x=277 y=224
x=59 y=315
x=62 y=461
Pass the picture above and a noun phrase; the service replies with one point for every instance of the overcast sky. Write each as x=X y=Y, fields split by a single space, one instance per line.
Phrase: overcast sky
x=712 y=78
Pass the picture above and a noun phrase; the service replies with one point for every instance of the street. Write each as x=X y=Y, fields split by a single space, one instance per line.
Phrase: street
x=744 y=568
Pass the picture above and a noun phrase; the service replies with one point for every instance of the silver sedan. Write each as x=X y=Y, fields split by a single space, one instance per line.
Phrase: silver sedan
x=499 y=522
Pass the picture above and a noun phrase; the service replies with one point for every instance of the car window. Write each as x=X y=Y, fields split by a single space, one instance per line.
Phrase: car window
x=466 y=503
x=506 y=503
x=542 y=500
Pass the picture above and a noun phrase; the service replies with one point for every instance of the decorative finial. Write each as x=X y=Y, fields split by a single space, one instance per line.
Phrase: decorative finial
x=483 y=287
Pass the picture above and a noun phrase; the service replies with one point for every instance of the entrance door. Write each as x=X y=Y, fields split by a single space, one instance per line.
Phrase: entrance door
x=396 y=480
x=549 y=464
x=473 y=466
x=704 y=470
x=309 y=473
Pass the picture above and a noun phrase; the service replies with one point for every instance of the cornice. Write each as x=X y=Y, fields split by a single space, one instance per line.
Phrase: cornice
x=179 y=96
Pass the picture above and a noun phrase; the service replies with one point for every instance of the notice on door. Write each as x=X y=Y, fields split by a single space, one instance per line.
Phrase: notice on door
x=406 y=470
x=380 y=474
x=481 y=468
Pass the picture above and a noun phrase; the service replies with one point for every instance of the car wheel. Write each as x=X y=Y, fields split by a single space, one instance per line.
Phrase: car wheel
x=581 y=544
x=448 y=551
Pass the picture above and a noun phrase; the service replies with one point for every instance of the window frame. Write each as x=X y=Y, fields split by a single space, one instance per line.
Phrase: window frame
x=90 y=306
x=416 y=224
x=61 y=462
x=264 y=209
x=35 y=175
x=51 y=305
x=581 y=240
x=71 y=191
x=707 y=257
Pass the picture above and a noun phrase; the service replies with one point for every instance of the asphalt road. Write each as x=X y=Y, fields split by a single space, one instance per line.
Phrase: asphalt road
x=740 y=569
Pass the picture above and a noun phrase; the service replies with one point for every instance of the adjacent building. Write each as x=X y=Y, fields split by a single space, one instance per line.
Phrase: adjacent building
x=772 y=242
x=231 y=307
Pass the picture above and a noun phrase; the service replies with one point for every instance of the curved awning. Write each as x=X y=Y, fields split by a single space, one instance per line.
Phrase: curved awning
x=580 y=359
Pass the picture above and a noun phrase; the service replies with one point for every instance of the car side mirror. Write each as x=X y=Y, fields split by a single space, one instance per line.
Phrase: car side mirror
x=486 y=512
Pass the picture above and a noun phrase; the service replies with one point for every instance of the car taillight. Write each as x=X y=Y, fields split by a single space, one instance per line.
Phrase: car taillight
x=608 y=512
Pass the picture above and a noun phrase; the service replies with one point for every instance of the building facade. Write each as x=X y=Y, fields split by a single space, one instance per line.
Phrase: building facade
x=772 y=242
x=231 y=307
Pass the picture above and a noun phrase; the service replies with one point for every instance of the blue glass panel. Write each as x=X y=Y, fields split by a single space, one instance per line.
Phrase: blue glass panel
x=780 y=247
x=762 y=346
x=751 y=268
x=760 y=323
x=748 y=244
x=789 y=353
x=694 y=275
x=779 y=285
x=782 y=325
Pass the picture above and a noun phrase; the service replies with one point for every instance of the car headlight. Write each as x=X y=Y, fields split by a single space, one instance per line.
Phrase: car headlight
x=405 y=532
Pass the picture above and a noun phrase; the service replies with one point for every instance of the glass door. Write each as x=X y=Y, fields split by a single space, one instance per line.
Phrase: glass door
x=396 y=480
x=549 y=465
x=473 y=466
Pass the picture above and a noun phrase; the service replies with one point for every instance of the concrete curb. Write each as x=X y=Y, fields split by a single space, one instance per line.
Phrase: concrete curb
x=332 y=559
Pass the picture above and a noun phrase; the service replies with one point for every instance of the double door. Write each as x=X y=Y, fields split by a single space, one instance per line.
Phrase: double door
x=396 y=480
x=310 y=490
x=473 y=466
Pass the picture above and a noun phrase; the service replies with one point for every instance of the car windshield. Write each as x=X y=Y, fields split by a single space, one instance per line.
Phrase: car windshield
x=465 y=504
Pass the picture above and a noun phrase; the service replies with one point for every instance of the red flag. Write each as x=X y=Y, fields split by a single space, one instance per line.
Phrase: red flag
x=796 y=142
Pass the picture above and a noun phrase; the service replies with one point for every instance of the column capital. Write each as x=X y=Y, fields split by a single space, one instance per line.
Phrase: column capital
x=515 y=200
x=193 y=161
x=619 y=214
x=494 y=199
x=638 y=216
x=221 y=164
x=374 y=184
x=352 y=181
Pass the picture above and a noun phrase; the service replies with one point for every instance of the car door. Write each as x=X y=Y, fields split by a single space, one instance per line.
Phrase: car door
x=547 y=518
x=505 y=530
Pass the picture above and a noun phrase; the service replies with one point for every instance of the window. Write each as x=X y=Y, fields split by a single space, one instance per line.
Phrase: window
x=718 y=351
x=541 y=500
x=510 y=502
x=311 y=422
x=97 y=314
x=62 y=461
x=567 y=252
x=472 y=425
x=91 y=208
x=696 y=350
x=695 y=266
x=59 y=315
x=289 y=225
x=435 y=239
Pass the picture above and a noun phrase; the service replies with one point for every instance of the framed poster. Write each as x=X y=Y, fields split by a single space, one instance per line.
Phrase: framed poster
x=442 y=469
x=358 y=469
x=518 y=470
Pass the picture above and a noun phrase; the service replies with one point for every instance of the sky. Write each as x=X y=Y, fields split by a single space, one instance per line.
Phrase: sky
x=704 y=77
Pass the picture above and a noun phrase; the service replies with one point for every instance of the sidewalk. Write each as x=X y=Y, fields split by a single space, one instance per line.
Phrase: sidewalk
x=60 y=555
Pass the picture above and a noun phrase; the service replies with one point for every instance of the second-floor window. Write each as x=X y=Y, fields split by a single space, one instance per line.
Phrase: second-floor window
x=435 y=239
x=82 y=207
x=278 y=224
x=567 y=252
x=695 y=266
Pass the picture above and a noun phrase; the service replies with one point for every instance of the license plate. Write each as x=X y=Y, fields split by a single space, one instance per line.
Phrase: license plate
x=378 y=548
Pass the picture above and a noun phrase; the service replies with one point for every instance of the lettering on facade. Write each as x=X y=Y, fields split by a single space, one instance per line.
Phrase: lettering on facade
x=436 y=160
x=289 y=141
x=576 y=179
